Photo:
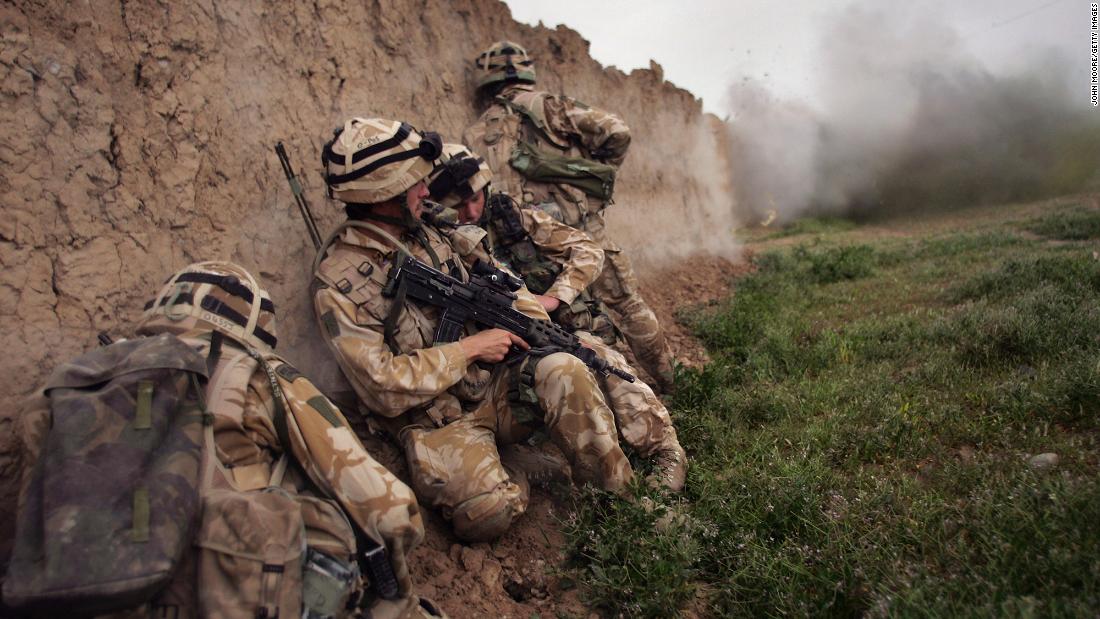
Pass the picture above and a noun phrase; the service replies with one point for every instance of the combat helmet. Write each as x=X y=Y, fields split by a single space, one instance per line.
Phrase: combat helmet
x=458 y=175
x=371 y=160
x=213 y=296
x=504 y=62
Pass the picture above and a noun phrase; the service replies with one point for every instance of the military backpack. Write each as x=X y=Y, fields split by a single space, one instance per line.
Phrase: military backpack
x=113 y=501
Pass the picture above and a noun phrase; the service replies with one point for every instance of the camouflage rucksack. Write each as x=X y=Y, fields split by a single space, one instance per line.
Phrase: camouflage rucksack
x=113 y=500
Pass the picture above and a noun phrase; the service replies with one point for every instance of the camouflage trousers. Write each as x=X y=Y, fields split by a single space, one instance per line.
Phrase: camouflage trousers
x=618 y=289
x=458 y=468
x=642 y=419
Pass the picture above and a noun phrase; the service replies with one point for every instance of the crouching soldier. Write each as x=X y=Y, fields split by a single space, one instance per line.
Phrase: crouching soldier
x=556 y=152
x=558 y=263
x=449 y=405
x=215 y=481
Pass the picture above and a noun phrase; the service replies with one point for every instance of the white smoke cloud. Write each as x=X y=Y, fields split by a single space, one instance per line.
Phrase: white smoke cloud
x=907 y=117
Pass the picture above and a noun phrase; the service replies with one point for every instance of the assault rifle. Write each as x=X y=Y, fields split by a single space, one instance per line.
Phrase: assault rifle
x=486 y=300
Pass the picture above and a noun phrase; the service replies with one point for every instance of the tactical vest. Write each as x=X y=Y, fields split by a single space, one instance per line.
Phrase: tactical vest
x=359 y=274
x=513 y=246
x=520 y=117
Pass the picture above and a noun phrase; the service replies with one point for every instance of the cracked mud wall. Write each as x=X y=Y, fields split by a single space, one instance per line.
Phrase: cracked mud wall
x=137 y=137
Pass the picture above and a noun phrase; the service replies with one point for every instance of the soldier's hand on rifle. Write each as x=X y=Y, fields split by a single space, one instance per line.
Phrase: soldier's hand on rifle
x=548 y=303
x=491 y=345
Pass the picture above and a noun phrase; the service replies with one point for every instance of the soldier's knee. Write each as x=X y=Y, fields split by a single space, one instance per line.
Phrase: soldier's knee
x=560 y=365
x=485 y=517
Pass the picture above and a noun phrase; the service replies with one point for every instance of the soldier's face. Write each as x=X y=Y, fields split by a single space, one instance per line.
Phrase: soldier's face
x=414 y=198
x=470 y=210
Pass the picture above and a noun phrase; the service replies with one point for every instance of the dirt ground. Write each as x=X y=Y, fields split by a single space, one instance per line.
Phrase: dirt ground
x=521 y=575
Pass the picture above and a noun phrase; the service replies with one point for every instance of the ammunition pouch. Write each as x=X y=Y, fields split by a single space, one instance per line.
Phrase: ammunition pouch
x=586 y=314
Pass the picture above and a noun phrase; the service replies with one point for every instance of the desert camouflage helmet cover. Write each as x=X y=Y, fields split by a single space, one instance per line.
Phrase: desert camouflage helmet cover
x=213 y=296
x=371 y=160
x=505 y=61
x=458 y=175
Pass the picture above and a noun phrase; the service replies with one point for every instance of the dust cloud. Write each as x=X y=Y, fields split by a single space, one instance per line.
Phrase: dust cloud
x=908 y=117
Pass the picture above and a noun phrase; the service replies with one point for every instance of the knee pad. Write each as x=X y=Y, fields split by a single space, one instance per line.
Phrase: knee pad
x=487 y=516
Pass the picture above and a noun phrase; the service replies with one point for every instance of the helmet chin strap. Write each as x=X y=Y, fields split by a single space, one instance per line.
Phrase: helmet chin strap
x=406 y=221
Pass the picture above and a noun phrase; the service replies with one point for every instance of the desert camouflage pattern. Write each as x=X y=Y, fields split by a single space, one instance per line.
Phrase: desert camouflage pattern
x=430 y=385
x=385 y=182
x=573 y=129
x=449 y=415
x=617 y=287
x=326 y=449
x=579 y=257
x=250 y=551
x=643 y=421
x=566 y=127
x=253 y=512
x=454 y=153
x=179 y=306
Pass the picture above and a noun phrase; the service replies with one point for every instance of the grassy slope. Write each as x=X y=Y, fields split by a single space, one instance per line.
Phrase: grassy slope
x=861 y=440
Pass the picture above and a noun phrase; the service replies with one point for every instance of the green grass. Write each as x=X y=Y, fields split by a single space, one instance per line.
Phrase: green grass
x=1071 y=225
x=814 y=225
x=859 y=442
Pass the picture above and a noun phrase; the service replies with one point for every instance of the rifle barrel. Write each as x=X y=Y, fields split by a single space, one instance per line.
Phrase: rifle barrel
x=299 y=196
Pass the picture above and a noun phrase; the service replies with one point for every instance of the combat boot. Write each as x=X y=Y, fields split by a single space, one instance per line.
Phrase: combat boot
x=535 y=465
x=671 y=461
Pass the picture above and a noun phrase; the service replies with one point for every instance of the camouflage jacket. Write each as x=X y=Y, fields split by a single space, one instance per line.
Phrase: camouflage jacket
x=565 y=127
x=419 y=383
x=577 y=257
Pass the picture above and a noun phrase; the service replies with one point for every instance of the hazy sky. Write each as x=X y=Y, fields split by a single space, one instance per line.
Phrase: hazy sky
x=707 y=45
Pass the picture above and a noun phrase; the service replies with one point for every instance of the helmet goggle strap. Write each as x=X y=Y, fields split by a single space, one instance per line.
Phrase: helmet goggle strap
x=454 y=178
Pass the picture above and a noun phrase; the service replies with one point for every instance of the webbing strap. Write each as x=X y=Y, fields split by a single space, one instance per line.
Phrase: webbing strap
x=229 y=284
x=531 y=121
x=389 y=325
x=143 y=416
x=141 y=515
x=215 y=352
x=422 y=239
x=215 y=306
x=277 y=397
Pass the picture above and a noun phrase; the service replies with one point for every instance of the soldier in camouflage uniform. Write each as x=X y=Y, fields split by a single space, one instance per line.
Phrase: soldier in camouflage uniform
x=219 y=310
x=558 y=263
x=448 y=405
x=519 y=115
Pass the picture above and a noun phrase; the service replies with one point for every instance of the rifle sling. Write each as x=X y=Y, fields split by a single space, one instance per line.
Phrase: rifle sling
x=389 y=325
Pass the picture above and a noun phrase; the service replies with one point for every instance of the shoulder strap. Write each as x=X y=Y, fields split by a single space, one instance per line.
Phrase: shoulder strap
x=534 y=113
x=235 y=369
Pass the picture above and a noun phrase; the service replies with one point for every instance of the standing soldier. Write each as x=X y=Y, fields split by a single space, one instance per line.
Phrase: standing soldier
x=558 y=263
x=561 y=155
x=449 y=404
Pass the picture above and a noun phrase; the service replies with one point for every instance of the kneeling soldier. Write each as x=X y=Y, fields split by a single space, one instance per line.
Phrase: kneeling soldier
x=558 y=263
x=448 y=404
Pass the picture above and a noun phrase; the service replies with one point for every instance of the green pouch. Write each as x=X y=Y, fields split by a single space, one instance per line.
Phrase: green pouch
x=592 y=177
